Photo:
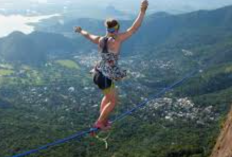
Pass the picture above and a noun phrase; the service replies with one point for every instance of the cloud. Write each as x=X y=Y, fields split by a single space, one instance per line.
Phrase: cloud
x=40 y=1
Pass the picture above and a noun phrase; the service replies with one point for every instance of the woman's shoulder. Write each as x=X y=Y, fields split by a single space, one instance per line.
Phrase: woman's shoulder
x=101 y=41
x=106 y=39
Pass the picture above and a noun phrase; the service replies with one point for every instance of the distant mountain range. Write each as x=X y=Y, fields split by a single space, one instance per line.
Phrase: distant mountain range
x=159 y=31
x=92 y=8
x=34 y=48
x=43 y=104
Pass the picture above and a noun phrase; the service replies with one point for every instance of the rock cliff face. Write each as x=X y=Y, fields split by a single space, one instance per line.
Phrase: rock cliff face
x=223 y=147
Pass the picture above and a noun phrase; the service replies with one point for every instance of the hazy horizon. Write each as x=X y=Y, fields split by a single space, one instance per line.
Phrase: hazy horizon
x=98 y=9
x=155 y=5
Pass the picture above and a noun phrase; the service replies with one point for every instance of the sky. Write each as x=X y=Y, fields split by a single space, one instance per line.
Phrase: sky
x=127 y=5
x=19 y=12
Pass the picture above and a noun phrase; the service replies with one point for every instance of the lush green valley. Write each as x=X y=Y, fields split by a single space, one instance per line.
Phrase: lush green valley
x=46 y=91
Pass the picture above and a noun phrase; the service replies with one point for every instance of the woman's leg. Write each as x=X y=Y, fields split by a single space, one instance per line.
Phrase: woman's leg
x=108 y=107
x=104 y=102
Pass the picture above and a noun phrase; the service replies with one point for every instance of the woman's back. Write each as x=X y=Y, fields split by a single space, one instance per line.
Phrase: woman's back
x=113 y=45
x=109 y=60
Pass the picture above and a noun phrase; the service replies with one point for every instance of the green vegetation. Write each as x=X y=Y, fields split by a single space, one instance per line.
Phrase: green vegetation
x=5 y=72
x=55 y=99
x=68 y=64
x=42 y=108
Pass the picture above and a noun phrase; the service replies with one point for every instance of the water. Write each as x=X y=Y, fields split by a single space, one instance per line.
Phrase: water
x=11 y=23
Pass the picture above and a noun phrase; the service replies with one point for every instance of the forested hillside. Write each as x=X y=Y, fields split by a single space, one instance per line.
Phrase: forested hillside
x=46 y=91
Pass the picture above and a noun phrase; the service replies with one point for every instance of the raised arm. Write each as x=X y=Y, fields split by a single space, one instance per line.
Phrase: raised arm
x=137 y=23
x=95 y=39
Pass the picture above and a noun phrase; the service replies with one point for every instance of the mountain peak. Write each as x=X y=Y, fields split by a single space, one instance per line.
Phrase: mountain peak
x=161 y=14
x=17 y=33
x=113 y=11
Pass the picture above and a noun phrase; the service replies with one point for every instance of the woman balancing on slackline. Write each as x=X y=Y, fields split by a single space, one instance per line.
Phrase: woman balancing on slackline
x=107 y=71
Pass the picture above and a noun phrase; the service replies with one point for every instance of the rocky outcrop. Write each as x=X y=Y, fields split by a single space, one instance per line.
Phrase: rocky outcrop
x=223 y=147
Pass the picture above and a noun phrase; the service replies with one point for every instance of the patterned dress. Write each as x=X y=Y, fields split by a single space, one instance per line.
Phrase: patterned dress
x=109 y=63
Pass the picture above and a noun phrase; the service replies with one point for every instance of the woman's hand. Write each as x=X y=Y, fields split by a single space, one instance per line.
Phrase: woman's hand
x=144 y=6
x=78 y=29
x=94 y=38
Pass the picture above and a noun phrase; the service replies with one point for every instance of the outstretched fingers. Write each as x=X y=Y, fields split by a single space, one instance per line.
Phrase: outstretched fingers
x=144 y=5
x=78 y=29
